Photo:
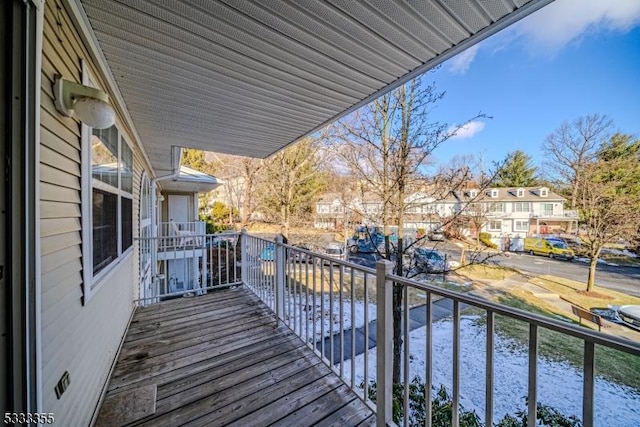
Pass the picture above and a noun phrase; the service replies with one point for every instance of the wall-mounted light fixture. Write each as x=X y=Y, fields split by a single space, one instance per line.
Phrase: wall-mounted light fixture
x=91 y=106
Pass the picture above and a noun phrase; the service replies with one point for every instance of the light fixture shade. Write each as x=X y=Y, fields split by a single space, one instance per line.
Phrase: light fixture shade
x=94 y=113
x=90 y=105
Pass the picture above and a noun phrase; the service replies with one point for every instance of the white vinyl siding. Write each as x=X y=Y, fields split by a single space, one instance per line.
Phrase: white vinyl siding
x=80 y=337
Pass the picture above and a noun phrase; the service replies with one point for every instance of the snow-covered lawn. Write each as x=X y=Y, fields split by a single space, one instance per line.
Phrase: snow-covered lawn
x=324 y=314
x=559 y=384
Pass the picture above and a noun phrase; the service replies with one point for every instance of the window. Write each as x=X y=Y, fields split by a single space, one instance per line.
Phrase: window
x=520 y=225
x=544 y=192
x=496 y=207
x=494 y=225
x=521 y=207
x=473 y=193
x=547 y=209
x=322 y=208
x=111 y=197
x=520 y=192
x=494 y=193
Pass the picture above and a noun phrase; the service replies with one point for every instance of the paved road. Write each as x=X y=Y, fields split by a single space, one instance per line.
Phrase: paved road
x=417 y=319
x=617 y=278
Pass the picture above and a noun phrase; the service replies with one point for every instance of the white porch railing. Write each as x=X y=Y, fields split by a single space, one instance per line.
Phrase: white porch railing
x=188 y=262
x=316 y=297
x=341 y=310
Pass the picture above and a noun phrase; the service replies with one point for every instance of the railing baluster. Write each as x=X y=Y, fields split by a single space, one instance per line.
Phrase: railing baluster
x=341 y=300
x=429 y=360
x=366 y=336
x=322 y=308
x=353 y=329
x=455 y=409
x=331 y=313
x=314 y=336
x=306 y=299
x=588 y=390
x=407 y=350
x=489 y=370
x=278 y=259
x=299 y=284
x=533 y=374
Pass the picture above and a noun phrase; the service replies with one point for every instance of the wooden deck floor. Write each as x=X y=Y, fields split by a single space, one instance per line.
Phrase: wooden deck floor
x=219 y=360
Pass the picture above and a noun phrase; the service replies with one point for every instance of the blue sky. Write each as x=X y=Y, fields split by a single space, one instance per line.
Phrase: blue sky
x=570 y=59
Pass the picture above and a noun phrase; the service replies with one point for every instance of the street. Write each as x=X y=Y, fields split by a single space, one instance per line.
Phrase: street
x=618 y=278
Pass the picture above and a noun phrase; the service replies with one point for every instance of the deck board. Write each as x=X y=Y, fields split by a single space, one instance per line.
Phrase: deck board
x=219 y=359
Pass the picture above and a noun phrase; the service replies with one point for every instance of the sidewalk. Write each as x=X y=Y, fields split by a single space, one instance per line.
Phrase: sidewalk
x=502 y=287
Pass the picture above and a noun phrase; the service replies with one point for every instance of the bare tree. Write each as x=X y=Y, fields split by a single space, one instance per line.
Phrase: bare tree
x=387 y=145
x=573 y=146
x=240 y=175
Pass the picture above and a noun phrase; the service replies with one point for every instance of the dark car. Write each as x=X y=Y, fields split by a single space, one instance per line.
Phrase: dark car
x=430 y=260
x=297 y=254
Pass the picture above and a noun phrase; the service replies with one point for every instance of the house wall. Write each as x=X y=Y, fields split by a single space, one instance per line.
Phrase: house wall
x=79 y=337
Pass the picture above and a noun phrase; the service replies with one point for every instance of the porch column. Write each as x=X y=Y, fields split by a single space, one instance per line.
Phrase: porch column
x=384 y=340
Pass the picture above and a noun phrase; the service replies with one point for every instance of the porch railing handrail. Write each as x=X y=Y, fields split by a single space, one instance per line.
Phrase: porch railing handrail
x=534 y=318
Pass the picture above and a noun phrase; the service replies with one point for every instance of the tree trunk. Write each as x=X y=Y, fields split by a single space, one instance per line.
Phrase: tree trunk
x=397 y=317
x=592 y=274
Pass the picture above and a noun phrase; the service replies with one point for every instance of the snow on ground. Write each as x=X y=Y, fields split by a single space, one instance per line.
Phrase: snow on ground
x=624 y=252
x=559 y=384
x=323 y=313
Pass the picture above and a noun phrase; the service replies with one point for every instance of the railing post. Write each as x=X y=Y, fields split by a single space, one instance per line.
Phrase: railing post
x=244 y=267
x=384 y=340
x=279 y=260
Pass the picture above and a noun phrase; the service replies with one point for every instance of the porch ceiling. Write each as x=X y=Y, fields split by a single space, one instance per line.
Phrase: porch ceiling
x=249 y=77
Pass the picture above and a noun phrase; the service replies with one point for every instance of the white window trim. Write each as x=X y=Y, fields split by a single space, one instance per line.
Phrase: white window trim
x=515 y=225
x=489 y=228
x=494 y=193
x=91 y=283
x=520 y=192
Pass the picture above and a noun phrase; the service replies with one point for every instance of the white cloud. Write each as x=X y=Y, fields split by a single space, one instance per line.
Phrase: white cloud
x=564 y=21
x=468 y=130
x=460 y=63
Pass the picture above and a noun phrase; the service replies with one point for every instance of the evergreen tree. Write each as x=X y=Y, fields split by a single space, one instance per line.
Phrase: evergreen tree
x=517 y=171
x=290 y=182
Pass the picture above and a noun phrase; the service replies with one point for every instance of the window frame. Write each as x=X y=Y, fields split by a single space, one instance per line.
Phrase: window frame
x=93 y=282
x=517 y=207
x=490 y=223
x=521 y=221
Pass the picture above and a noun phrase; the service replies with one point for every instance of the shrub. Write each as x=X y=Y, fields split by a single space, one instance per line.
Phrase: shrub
x=486 y=239
x=442 y=405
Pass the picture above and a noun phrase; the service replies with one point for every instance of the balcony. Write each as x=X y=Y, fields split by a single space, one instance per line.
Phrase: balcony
x=565 y=215
x=288 y=337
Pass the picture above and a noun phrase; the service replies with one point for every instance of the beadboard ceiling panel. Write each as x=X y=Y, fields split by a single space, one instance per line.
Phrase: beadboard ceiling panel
x=250 y=77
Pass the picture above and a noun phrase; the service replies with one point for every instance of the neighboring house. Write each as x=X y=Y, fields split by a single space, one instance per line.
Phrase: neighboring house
x=247 y=79
x=514 y=212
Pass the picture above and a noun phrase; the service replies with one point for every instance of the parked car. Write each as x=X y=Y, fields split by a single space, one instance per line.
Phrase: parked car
x=548 y=246
x=335 y=250
x=430 y=260
x=436 y=236
x=268 y=252
x=299 y=256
